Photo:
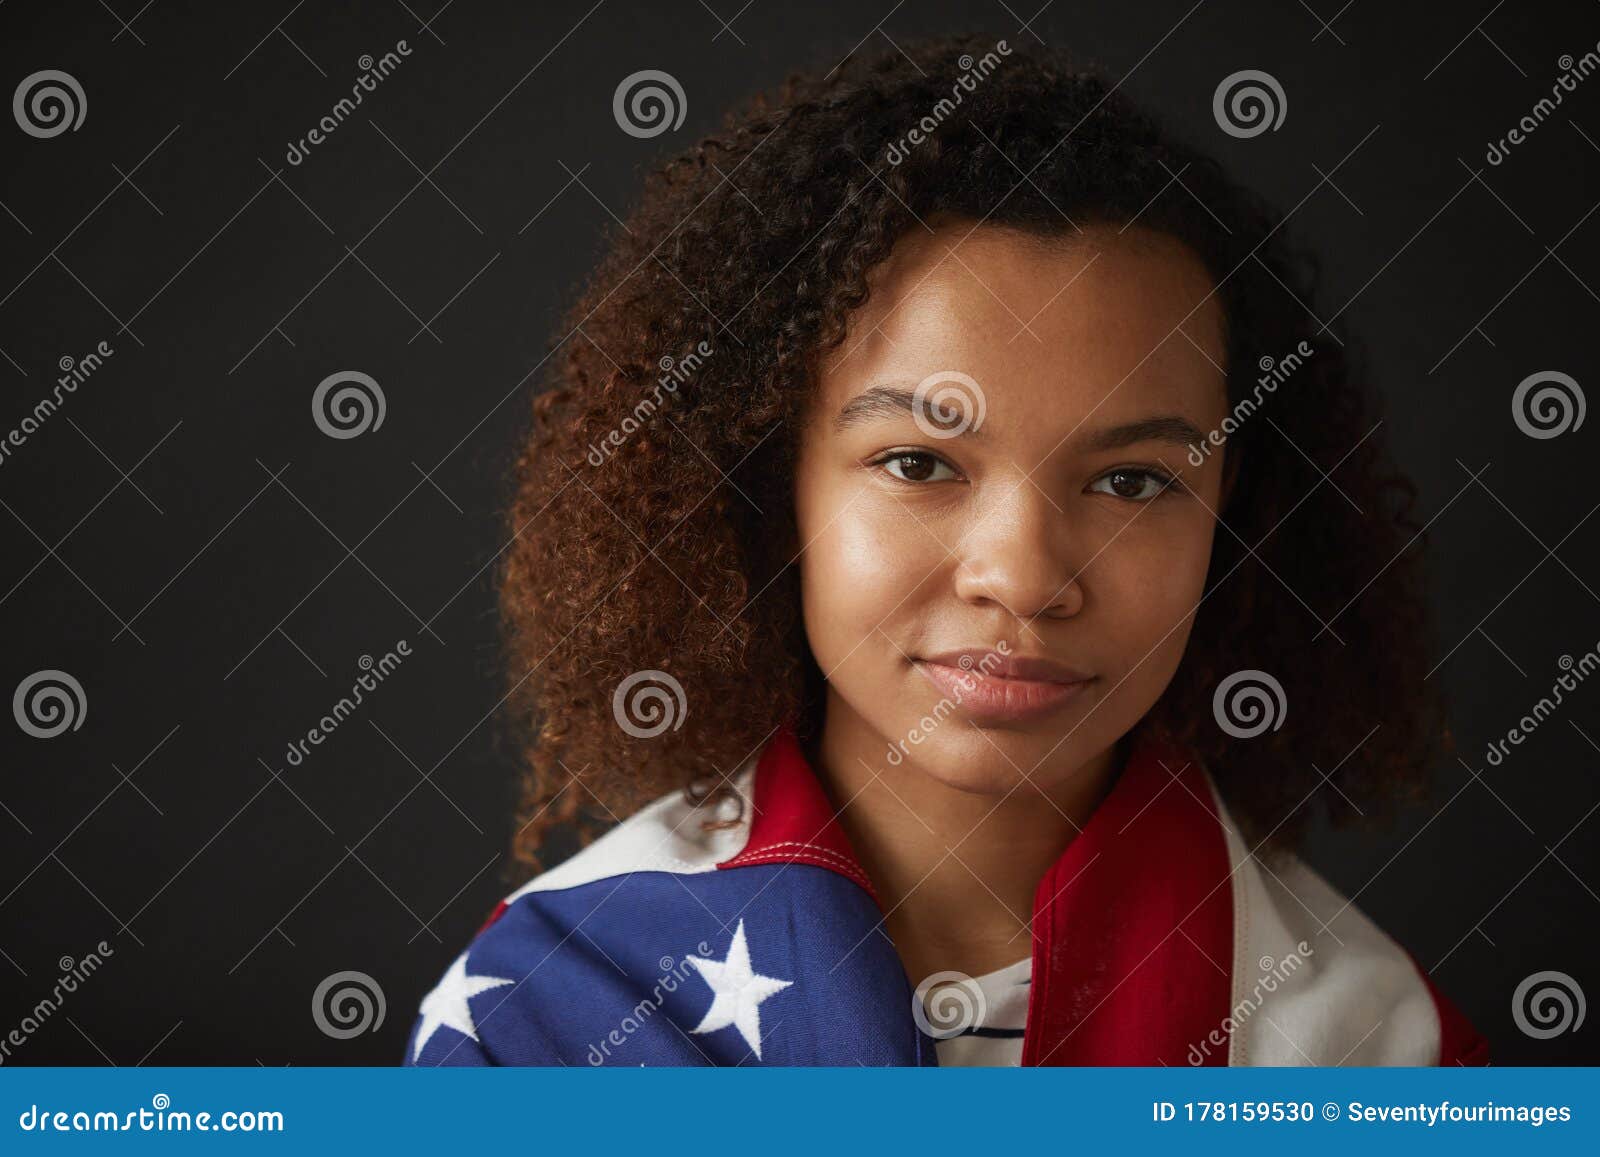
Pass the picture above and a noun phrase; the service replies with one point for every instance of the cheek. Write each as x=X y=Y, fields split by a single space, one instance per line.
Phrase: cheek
x=859 y=572
x=1148 y=591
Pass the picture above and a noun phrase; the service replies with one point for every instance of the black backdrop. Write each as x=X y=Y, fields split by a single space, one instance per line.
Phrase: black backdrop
x=184 y=541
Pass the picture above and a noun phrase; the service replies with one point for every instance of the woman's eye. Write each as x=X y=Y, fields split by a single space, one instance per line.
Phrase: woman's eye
x=916 y=466
x=1136 y=485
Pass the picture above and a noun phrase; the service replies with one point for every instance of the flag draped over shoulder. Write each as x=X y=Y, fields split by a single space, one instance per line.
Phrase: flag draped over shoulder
x=1158 y=938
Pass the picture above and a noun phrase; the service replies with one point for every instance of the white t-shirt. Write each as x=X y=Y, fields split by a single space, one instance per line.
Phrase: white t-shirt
x=995 y=1035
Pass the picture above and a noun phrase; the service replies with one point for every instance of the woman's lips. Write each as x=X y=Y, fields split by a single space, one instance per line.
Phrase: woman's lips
x=987 y=697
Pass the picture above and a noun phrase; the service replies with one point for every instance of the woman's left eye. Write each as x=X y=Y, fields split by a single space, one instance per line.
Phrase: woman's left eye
x=1135 y=485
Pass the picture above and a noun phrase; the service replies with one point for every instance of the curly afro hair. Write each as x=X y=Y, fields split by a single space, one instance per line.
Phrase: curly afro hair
x=653 y=510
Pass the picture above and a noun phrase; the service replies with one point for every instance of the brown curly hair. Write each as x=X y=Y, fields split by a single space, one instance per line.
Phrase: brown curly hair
x=653 y=513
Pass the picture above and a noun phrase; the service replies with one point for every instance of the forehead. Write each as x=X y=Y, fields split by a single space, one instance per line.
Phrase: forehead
x=1119 y=321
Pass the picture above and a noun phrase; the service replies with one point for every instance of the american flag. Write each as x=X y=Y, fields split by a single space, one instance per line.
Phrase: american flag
x=1157 y=938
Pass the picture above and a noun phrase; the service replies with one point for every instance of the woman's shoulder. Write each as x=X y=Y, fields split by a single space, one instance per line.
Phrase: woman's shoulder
x=1331 y=985
x=550 y=948
x=670 y=834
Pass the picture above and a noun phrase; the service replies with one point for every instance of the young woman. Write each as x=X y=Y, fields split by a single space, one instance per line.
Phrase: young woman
x=956 y=565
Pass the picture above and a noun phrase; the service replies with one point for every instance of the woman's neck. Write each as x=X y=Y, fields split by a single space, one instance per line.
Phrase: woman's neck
x=955 y=871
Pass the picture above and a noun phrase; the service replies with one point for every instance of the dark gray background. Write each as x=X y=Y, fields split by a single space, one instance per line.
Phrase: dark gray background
x=184 y=541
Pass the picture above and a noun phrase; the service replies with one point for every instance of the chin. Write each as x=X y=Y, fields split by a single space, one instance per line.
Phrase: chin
x=971 y=762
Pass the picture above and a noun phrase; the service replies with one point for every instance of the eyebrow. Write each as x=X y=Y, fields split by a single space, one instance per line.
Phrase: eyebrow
x=1172 y=428
x=891 y=401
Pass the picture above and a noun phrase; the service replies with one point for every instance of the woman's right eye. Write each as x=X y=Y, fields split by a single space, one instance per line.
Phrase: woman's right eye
x=916 y=466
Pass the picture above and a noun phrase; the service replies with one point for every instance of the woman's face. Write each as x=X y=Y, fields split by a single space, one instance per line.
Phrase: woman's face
x=1003 y=540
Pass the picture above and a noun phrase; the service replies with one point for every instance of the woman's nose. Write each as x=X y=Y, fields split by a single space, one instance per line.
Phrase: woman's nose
x=1018 y=553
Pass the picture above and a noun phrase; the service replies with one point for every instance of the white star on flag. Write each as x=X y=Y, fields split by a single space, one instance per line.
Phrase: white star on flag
x=447 y=1004
x=738 y=992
